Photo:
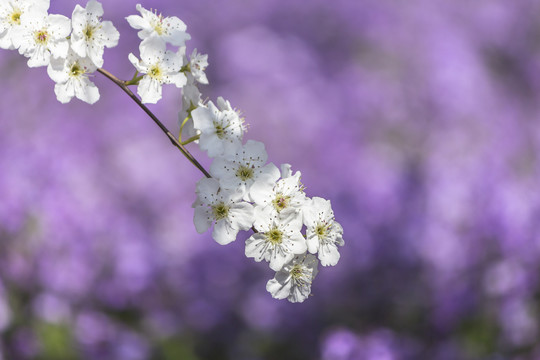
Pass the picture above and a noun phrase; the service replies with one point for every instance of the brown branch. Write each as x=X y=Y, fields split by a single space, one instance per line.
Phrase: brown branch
x=172 y=138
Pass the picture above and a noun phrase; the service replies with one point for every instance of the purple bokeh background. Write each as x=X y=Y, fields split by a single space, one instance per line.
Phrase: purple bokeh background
x=419 y=121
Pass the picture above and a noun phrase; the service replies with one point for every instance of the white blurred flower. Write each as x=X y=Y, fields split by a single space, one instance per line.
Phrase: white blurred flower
x=90 y=35
x=168 y=29
x=160 y=66
x=220 y=128
x=277 y=239
x=71 y=77
x=294 y=280
x=41 y=36
x=242 y=166
x=324 y=234
x=223 y=208
x=10 y=18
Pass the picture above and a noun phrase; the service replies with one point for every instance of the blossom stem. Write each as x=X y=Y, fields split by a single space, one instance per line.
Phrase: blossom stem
x=124 y=86
x=191 y=139
x=182 y=127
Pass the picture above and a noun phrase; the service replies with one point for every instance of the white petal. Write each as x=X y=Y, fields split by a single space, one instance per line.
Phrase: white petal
x=59 y=48
x=218 y=168
x=59 y=25
x=56 y=71
x=95 y=53
x=137 y=22
x=78 y=17
x=133 y=59
x=297 y=243
x=86 y=91
x=278 y=260
x=329 y=255
x=269 y=173
x=202 y=219
x=152 y=50
x=94 y=8
x=262 y=192
x=278 y=290
x=64 y=92
x=178 y=79
x=255 y=247
x=207 y=189
x=149 y=90
x=202 y=119
x=78 y=45
x=223 y=232
x=110 y=35
x=211 y=143
x=256 y=148
x=312 y=242
x=39 y=57
x=241 y=215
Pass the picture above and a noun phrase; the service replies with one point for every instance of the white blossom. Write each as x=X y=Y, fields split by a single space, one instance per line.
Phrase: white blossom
x=90 y=35
x=197 y=65
x=324 y=234
x=10 y=18
x=41 y=36
x=168 y=29
x=160 y=66
x=242 y=166
x=221 y=128
x=223 y=208
x=294 y=280
x=285 y=197
x=71 y=77
x=278 y=239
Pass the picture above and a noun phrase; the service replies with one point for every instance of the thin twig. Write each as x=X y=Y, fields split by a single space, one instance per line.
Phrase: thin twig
x=172 y=138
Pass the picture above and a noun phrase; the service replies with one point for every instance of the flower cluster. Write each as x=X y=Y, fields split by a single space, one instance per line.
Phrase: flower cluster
x=159 y=65
x=242 y=190
x=71 y=49
x=247 y=192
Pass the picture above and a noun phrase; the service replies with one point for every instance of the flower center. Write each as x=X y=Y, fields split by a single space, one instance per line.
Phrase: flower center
x=76 y=70
x=244 y=173
x=280 y=202
x=322 y=230
x=296 y=272
x=274 y=236
x=158 y=25
x=220 y=131
x=41 y=37
x=15 y=17
x=155 y=72
x=220 y=211
x=88 y=32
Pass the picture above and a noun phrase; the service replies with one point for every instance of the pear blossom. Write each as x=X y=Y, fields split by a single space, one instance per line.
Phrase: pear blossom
x=41 y=36
x=160 y=66
x=324 y=234
x=191 y=99
x=278 y=239
x=223 y=208
x=293 y=281
x=197 y=65
x=171 y=30
x=90 y=35
x=286 y=196
x=241 y=166
x=71 y=77
x=220 y=128
x=10 y=18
